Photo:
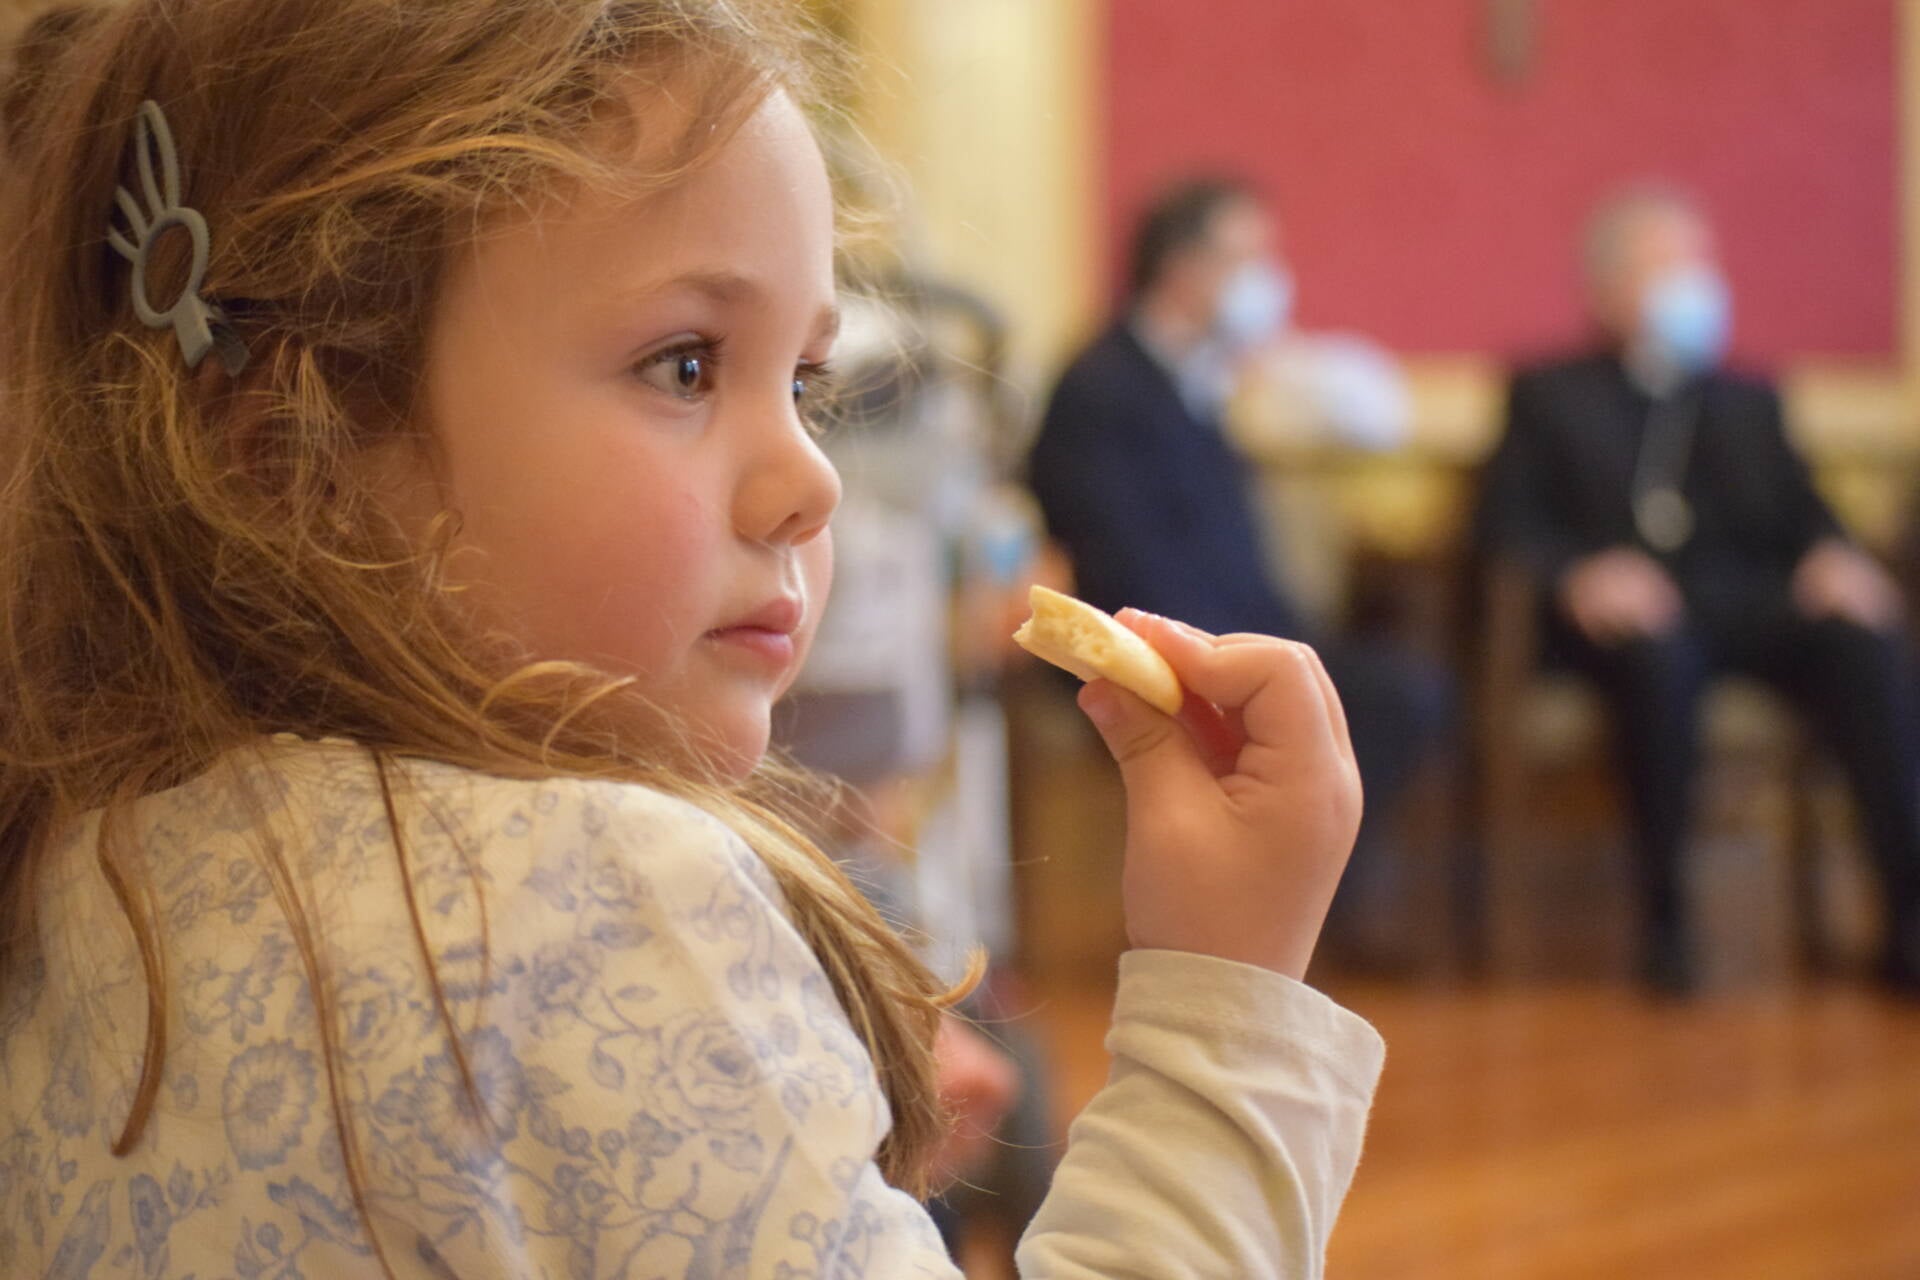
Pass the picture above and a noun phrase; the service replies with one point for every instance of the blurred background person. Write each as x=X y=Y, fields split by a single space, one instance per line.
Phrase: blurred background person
x=1678 y=535
x=1154 y=505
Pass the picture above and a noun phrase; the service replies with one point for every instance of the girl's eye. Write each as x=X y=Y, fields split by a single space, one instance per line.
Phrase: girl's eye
x=810 y=381
x=685 y=373
x=813 y=392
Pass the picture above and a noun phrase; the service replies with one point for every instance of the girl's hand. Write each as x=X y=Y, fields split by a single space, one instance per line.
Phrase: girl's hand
x=1241 y=813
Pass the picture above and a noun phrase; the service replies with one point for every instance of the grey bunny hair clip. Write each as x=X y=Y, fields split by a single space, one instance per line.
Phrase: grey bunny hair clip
x=200 y=325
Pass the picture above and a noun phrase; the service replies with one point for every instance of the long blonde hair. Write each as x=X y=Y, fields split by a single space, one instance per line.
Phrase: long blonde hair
x=188 y=562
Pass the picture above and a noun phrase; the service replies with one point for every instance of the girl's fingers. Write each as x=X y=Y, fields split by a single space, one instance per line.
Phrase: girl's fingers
x=1141 y=622
x=1215 y=733
x=1160 y=763
x=1184 y=645
x=1219 y=742
x=1236 y=671
x=1218 y=641
x=1336 y=710
x=1275 y=686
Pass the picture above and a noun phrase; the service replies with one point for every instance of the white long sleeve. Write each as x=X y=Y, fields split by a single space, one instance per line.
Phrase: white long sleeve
x=1225 y=1137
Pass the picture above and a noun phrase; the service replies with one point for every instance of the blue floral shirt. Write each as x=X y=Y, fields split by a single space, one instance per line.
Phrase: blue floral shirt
x=670 y=1086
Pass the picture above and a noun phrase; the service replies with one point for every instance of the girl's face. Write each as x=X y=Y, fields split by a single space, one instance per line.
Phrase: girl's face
x=616 y=388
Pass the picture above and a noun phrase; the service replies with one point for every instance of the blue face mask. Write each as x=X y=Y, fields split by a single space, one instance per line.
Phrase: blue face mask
x=1685 y=318
x=1255 y=304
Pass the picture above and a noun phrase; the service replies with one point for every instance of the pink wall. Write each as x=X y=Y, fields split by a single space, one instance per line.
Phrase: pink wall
x=1438 y=210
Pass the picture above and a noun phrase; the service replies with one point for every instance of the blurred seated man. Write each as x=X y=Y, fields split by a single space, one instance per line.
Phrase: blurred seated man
x=1154 y=506
x=1679 y=535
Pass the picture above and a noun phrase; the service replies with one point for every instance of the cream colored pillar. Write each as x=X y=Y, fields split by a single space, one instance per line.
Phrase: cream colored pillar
x=986 y=107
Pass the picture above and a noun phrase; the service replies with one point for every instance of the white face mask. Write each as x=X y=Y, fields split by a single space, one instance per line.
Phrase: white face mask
x=1255 y=304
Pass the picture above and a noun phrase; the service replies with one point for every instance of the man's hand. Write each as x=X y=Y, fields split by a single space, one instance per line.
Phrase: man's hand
x=1618 y=595
x=1837 y=580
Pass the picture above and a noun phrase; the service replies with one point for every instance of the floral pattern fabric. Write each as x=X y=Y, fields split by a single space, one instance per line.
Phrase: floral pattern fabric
x=667 y=1085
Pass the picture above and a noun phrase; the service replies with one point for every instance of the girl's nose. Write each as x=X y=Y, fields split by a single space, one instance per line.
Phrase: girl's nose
x=789 y=490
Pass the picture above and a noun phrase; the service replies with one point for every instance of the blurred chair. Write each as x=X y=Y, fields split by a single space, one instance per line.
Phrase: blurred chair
x=1556 y=871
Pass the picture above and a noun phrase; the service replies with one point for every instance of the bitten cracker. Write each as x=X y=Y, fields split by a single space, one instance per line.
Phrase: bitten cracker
x=1079 y=638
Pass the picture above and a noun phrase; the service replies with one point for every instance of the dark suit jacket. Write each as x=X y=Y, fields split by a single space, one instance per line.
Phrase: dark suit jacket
x=1559 y=486
x=1152 y=504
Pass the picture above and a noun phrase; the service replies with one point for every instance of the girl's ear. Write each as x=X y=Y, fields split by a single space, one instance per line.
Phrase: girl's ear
x=377 y=455
x=240 y=409
x=271 y=456
x=247 y=412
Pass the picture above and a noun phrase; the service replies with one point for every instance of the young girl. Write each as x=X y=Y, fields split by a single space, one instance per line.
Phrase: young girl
x=410 y=518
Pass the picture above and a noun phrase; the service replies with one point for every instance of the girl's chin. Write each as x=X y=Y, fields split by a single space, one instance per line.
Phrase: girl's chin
x=734 y=751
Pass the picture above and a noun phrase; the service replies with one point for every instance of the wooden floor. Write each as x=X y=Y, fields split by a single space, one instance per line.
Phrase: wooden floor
x=1576 y=1132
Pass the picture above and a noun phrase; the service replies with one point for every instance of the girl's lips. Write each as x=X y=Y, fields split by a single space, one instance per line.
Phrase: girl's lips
x=776 y=648
x=766 y=634
x=781 y=614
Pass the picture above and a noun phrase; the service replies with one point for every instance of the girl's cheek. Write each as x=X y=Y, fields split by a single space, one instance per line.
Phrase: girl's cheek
x=667 y=537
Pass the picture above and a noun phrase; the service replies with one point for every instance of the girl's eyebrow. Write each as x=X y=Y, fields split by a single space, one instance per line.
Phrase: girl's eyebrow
x=719 y=285
x=730 y=288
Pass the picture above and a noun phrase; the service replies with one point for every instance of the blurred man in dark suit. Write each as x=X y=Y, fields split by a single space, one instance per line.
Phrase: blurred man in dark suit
x=1679 y=535
x=1153 y=504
